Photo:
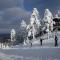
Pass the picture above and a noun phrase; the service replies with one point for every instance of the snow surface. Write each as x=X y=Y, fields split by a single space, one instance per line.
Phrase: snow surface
x=37 y=52
x=30 y=54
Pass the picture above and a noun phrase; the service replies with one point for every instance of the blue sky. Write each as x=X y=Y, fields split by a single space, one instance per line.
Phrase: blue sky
x=13 y=11
x=41 y=5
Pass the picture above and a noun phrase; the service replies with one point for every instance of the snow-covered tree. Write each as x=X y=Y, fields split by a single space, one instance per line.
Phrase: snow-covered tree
x=34 y=22
x=56 y=16
x=24 y=30
x=58 y=13
x=48 y=19
x=23 y=24
x=13 y=35
x=35 y=17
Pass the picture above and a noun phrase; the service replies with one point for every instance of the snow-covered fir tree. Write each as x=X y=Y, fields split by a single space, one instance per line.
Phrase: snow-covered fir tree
x=23 y=27
x=13 y=35
x=23 y=24
x=57 y=14
x=34 y=23
x=35 y=17
x=48 y=20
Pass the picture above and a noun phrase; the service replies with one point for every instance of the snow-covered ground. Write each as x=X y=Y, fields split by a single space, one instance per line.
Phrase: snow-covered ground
x=37 y=52
x=47 y=42
x=30 y=54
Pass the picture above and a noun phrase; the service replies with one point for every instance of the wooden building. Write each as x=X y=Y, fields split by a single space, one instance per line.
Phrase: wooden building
x=57 y=23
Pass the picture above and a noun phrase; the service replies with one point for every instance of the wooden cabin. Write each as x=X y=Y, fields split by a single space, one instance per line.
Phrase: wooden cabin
x=57 y=23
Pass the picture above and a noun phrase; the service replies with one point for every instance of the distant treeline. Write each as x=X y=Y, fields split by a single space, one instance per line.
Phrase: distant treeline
x=5 y=37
